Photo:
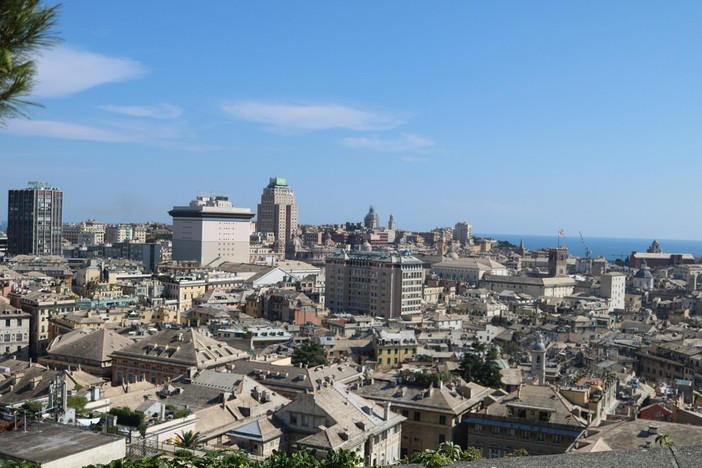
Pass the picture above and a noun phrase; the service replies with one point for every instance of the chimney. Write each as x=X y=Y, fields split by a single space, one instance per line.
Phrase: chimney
x=386 y=410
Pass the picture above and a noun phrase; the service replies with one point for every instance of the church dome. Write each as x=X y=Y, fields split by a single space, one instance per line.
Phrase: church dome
x=539 y=346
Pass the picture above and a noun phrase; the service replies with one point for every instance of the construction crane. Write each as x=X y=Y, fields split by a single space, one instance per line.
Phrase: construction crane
x=588 y=252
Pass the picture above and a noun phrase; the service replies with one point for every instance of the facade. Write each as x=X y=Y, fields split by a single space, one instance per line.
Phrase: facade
x=613 y=287
x=41 y=305
x=87 y=349
x=536 y=418
x=535 y=287
x=211 y=231
x=392 y=348
x=166 y=355
x=277 y=212
x=14 y=332
x=88 y=232
x=558 y=261
x=379 y=283
x=463 y=233
x=433 y=414
x=34 y=220
x=118 y=233
x=332 y=418
x=469 y=270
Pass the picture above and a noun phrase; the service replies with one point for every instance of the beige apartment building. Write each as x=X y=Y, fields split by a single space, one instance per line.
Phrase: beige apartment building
x=380 y=283
x=277 y=212
x=433 y=414
x=560 y=286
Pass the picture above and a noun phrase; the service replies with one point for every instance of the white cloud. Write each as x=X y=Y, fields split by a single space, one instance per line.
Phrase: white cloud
x=63 y=130
x=407 y=142
x=310 y=116
x=167 y=136
x=159 y=111
x=63 y=71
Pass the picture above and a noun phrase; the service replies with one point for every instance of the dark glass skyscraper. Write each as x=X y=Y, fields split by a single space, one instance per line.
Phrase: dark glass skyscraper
x=34 y=220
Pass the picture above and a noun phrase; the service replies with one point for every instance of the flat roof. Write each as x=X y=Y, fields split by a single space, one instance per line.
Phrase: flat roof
x=46 y=442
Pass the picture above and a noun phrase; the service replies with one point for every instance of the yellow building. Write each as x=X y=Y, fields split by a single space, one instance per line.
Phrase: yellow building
x=392 y=348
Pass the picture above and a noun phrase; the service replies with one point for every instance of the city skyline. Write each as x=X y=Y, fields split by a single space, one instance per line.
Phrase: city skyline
x=519 y=118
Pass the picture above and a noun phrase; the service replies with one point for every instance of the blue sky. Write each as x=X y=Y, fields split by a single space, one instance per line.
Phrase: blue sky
x=518 y=116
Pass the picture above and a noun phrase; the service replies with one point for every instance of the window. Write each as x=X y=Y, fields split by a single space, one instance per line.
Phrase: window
x=442 y=438
x=478 y=428
x=511 y=433
x=305 y=421
x=405 y=413
x=540 y=437
x=495 y=431
x=556 y=439
x=525 y=435
x=494 y=452
x=442 y=420
x=417 y=416
x=293 y=419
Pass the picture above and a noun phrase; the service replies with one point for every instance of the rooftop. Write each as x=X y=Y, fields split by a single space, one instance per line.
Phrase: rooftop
x=44 y=443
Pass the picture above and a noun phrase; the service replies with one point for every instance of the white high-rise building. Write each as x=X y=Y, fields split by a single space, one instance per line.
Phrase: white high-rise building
x=211 y=231
x=277 y=212
x=613 y=287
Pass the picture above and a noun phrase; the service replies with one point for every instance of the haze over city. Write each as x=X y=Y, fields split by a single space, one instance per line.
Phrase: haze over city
x=521 y=117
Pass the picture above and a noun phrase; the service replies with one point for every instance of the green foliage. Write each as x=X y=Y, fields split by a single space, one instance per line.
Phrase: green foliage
x=181 y=413
x=25 y=28
x=664 y=440
x=33 y=409
x=475 y=368
x=17 y=464
x=472 y=454
x=127 y=417
x=446 y=454
x=188 y=439
x=239 y=459
x=432 y=458
x=309 y=353
x=77 y=402
x=520 y=452
x=342 y=459
x=424 y=379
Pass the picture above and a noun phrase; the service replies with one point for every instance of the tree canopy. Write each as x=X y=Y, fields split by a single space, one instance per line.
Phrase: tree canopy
x=309 y=353
x=484 y=371
x=25 y=29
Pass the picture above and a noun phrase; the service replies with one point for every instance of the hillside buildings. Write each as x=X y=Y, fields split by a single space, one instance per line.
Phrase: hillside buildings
x=14 y=331
x=380 y=283
x=164 y=356
x=331 y=418
x=34 y=220
x=469 y=270
x=211 y=231
x=277 y=213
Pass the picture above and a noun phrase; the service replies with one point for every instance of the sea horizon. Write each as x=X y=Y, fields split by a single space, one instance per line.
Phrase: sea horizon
x=609 y=247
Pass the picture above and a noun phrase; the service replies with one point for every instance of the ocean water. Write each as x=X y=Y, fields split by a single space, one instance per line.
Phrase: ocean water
x=609 y=247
